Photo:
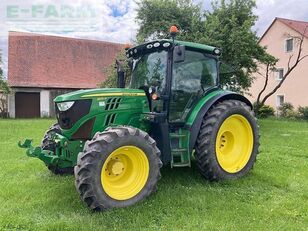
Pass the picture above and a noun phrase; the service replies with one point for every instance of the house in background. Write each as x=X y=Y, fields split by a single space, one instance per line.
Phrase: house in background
x=280 y=41
x=40 y=67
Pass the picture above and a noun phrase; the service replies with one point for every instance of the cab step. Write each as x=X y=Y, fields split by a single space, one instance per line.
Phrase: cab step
x=180 y=156
x=183 y=164
x=179 y=151
x=175 y=135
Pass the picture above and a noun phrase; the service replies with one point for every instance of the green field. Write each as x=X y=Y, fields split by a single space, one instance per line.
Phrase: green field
x=274 y=196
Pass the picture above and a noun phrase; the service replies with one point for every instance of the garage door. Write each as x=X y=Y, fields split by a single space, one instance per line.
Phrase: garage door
x=27 y=105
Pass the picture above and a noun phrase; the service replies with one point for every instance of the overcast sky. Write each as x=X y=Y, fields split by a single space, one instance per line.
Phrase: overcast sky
x=109 y=20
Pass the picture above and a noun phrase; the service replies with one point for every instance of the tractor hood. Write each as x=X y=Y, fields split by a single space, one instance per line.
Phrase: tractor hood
x=100 y=92
x=97 y=109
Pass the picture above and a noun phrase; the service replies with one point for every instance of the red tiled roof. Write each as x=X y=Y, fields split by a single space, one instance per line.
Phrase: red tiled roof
x=299 y=26
x=58 y=62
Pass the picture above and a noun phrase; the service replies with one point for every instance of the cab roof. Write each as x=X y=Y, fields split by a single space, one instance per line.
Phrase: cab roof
x=162 y=44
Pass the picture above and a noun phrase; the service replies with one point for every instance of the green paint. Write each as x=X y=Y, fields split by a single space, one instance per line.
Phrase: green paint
x=130 y=112
x=81 y=94
x=199 y=105
x=198 y=46
x=64 y=156
x=180 y=155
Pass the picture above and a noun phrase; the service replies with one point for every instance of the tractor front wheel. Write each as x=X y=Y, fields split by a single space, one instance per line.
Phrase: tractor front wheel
x=118 y=167
x=228 y=141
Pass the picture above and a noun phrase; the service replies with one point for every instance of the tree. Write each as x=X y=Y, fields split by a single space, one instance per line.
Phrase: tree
x=156 y=16
x=270 y=67
x=4 y=91
x=111 y=71
x=228 y=26
x=264 y=69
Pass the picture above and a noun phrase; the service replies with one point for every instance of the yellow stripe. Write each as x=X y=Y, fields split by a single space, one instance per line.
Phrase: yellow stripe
x=113 y=94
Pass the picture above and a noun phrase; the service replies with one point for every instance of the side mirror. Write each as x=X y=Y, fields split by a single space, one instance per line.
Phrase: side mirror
x=179 y=54
x=121 y=75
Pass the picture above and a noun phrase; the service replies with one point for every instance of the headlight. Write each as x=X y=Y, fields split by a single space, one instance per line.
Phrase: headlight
x=216 y=51
x=64 y=106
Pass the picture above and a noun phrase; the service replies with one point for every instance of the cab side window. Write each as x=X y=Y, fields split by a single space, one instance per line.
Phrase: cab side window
x=190 y=79
x=196 y=72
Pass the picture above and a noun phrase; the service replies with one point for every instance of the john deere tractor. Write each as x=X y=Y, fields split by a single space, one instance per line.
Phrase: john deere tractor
x=172 y=111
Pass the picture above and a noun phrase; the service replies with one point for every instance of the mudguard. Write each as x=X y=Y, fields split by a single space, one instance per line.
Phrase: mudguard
x=195 y=119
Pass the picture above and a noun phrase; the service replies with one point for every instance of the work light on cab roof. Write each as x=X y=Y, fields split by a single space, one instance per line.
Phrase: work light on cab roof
x=117 y=139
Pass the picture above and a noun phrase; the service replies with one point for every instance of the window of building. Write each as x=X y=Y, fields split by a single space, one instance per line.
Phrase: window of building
x=289 y=45
x=280 y=100
x=279 y=73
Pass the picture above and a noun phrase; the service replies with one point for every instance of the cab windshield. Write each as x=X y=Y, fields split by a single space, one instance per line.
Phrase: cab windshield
x=150 y=70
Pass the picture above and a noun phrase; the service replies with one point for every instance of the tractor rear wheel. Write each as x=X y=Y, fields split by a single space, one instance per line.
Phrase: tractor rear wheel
x=228 y=141
x=49 y=144
x=117 y=168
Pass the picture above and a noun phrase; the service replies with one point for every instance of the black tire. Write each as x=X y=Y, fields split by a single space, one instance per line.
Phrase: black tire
x=48 y=144
x=91 y=161
x=206 y=156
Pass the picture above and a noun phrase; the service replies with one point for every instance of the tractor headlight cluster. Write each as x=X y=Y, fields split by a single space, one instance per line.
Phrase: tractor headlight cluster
x=140 y=49
x=64 y=106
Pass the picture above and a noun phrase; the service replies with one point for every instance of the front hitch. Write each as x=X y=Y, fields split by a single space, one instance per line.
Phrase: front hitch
x=45 y=155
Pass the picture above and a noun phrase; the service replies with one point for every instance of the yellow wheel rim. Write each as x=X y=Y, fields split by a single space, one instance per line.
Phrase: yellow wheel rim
x=125 y=172
x=234 y=143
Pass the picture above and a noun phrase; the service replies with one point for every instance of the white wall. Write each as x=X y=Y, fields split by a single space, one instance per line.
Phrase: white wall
x=11 y=105
x=45 y=102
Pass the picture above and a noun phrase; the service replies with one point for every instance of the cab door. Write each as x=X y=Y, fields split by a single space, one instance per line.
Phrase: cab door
x=190 y=80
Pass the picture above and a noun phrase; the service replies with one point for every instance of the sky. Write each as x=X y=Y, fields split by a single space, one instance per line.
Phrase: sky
x=108 y=20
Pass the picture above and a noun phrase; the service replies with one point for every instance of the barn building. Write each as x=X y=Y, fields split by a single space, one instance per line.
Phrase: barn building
x=40 y=67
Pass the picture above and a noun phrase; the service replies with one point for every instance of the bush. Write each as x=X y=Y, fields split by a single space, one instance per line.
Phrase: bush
x=264 y=111
x=286 y=110
x=303 y=113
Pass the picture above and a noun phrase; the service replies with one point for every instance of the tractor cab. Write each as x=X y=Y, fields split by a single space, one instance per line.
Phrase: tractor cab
x=175 y=75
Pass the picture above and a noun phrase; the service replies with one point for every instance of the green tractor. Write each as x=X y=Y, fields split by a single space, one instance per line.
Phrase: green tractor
x=116 y=140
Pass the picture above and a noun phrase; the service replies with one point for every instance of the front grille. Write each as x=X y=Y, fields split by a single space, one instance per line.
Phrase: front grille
x=112 y=103
x=67 y=119
x=84 y=132
x=110 y=119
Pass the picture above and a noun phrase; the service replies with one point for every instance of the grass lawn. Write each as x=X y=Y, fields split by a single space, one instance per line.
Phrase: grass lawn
x=274 y=196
